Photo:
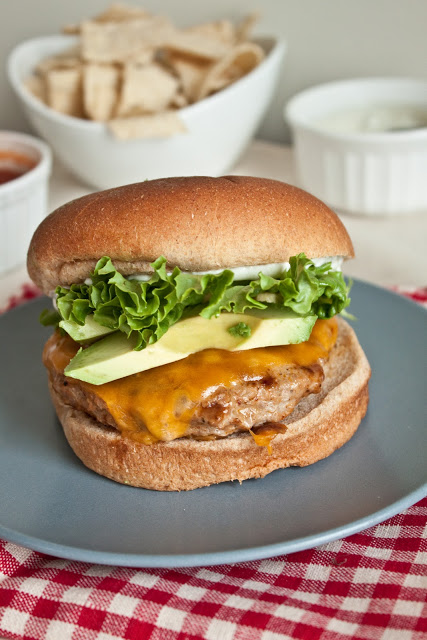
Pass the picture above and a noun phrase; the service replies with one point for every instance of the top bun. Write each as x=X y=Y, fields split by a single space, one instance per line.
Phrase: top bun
x=197 y=223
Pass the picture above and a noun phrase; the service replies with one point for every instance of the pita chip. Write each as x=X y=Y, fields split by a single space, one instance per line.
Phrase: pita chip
x=146 y=89
x=100 y=90
x=159 y=125
x=64 y=91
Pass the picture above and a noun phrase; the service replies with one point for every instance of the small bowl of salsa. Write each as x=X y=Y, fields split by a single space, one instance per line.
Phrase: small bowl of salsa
x=14 y=165
x=25 y=165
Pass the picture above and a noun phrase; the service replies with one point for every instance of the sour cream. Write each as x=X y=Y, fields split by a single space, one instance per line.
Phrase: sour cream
x=251 y=272
x=375 y=119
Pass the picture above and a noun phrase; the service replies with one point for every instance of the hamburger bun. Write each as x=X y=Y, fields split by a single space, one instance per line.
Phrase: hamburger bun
x=198 y=224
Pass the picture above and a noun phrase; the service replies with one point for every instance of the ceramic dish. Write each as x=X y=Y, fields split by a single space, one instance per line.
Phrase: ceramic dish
x=218 y=127
x=361 y=144
x=23 y=200
x=51 y=503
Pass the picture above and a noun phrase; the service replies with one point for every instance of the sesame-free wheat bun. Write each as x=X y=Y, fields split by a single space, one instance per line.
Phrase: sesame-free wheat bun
x=197 y=223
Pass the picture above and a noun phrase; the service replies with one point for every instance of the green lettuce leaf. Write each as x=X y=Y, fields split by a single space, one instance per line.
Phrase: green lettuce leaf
x=240 y=330
x=49 y=317
x=146 y=309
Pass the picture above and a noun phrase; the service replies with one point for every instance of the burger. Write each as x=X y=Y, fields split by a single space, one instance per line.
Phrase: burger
x=200 y=333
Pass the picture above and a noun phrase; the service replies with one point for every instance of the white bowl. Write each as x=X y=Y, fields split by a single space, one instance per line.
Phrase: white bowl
x=366 y=172
x=218 y=127
x=23 y=201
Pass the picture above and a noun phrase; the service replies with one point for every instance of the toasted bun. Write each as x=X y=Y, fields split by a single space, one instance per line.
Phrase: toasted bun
x=197 y=223
x=318 y=426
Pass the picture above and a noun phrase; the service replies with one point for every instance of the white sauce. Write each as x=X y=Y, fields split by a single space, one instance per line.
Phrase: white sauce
x=250 y=272
x=375 y=118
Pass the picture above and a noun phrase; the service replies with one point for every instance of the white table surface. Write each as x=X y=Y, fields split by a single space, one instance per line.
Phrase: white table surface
x=389 y=250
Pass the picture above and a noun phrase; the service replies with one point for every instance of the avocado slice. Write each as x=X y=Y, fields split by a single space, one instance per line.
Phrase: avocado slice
x=86 y=332
x=113 y=357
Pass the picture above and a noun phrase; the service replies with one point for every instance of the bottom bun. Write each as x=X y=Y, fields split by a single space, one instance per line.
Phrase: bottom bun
x=318 y=426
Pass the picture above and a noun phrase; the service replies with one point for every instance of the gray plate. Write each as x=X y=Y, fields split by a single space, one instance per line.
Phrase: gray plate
x=50 y=502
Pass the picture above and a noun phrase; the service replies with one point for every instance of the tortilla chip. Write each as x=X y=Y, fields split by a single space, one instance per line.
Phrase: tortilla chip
x=116 y=12
x=100 y=90
x=159 y=125
x=119 y=12
x=145 y=89
x=222 y=30
x=242 y=59
x=71 y=29
x=64 y=91
x=191 y=72
x=144 y=56
x=68 y=59
x=192 y=43
x=179 y=100
x=245 y=28
x=111 y=42
x=36 y=85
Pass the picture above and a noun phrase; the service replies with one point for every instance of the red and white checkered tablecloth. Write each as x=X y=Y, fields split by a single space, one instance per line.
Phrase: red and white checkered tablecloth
x=369 y=586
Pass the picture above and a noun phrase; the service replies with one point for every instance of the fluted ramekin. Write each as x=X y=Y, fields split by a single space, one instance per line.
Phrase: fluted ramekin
x=23 y=201
x=371 y=173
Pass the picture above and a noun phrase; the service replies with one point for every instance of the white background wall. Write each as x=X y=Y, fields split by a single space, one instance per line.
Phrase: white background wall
x=327 y=39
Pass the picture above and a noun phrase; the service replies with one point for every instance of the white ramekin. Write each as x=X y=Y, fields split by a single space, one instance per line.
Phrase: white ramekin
x=23 y=201
x=372 y=173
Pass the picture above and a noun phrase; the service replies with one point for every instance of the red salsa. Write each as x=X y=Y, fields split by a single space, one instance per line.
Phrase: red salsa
x=13 y=165
x=6 y=175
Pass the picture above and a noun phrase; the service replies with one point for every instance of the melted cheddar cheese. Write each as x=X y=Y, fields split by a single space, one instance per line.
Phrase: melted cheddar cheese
x=158 y=404
x=264 y=434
